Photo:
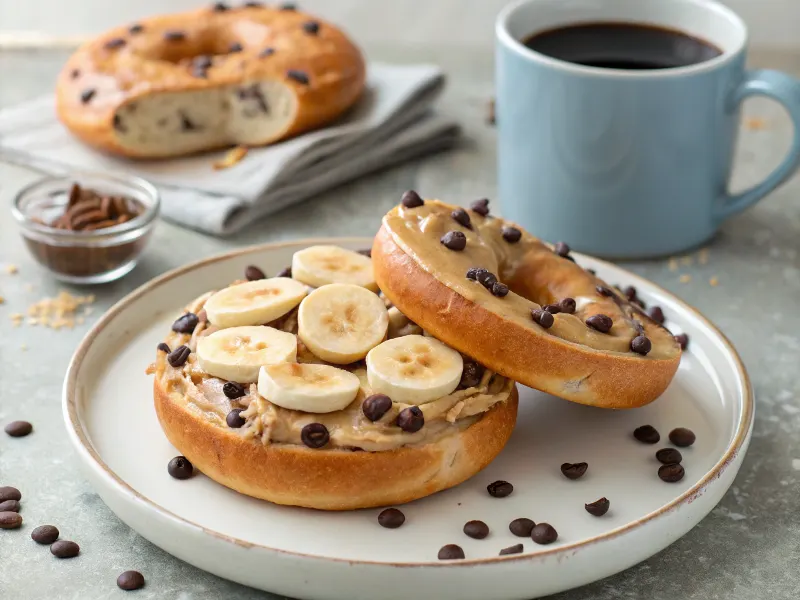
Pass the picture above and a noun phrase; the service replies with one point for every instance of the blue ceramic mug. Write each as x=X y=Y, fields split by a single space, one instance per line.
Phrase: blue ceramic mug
x=627 y=163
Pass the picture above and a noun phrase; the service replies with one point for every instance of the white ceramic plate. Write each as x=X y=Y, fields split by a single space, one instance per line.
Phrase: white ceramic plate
x=347 y=556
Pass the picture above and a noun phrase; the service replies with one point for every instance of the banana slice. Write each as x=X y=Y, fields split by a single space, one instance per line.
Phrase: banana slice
x=308 y=387
x=254 y=302
x=321 y=265
x=414 y=369
x=237 y=353
x=400 y=325
x=341 y=322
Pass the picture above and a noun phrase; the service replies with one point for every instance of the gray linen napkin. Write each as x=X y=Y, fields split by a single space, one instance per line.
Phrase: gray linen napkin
x=391 y=123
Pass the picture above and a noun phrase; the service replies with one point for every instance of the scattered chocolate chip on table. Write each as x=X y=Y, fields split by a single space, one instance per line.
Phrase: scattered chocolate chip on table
x=18 y=428
x=10 y=520
x=671 y=473
x=451 y=552
x=682 y=437
x=544 y=533
x=521 y=527
x=45 y=534
x=574 y=470
x=391 y=518
x=647 y=434
x=668 y=456
x=598 y=508
x=500 y=489
x=64 y=549
x=9 y=493
x=130 y=580
x=476 y=529
x=515 y=549
x=180 y=468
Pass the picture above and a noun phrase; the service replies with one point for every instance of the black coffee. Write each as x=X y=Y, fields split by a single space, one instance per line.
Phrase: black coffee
x=622 y=46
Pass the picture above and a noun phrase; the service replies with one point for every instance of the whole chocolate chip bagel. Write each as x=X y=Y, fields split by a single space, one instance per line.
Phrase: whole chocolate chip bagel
x=519 y=306
x=218 y=76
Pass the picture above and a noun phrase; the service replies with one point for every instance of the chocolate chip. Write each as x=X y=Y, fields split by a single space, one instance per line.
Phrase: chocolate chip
x=365 y=252
x=515 y=549
x=10 y=506
x=683 y=340
x=472 y=273
x=233 y=390
x=521 y=527
x=180 y=467
x=411 y=199
x=202 y=61
x=10 y=520
x=18 y=428
x=574 y=470
x=311 y=27
x=288 y=6
x=454 y=240
x=630 y=293
x=64 y=549
x=186 y=123
x=476 y=529
x=601 y=323
x=391 y=518
x=285 y=272
x=481 y=207
x=542 y=317
x=647 y=434
x=544 y=533
x=471 y=375
x=87 y=95
x=114 y=43
x=669 y=456
x=500 y=489
x=235 y=47
x=266 y=52
x=682 y=437
x=136 y=28
x=512 y=235
x=591 y=271
x=598 y=508
x=118 y=124
x=75 y=73
x=411 y=419
x=500 y=290
x=174 y=36
x=461 y=217
x=561 y=249
x=315 y=435
x=671 y=473
x=9 y=493
x=130 y=580
x=199 y=73
x=553 y=309
x=603 y=291
x=235 y=420
x=185 y=323
x=298 y=76
x=219 y=7
x=486 y=278
x=253 y=273
x=656 y=314
x=253 y=4
x=641 y=345
x=375 y=406
x=568 y=305
x=451 y=552
x=45 y=534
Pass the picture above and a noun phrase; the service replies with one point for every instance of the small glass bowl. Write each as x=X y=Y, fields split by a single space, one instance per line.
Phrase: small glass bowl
x=85 y=257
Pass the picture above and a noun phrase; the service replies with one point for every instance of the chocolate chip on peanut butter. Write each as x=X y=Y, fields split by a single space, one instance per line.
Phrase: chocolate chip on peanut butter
x=233 y=390
x=252 y=4
x=179 y=356
x=553 y=309
x=454 y=240
x=656 y=314
x=174 y=35
x=641 y=345
x=630 y=293
x=136 y=28
x=500 y=290
x=481 y=207
x=234 y=419
x=253 y=273
x=683 y=340
x=542 y=317
x=411 y=199
x=114 y=43
x=601 y=323
x=315 y=435
x=311 y=27
x=285 y=272
x=288 y=6
x=561 y=249
x=471 y=375
x=87 y=95
x=461 y=217
x=411 y=419
x=604 y=291
x=511 y=234
x=375 y=406
x=298 y=76
x=485 y=278
x=266 y=52
x=235 y=47
x=220 y=7
x=185 y=323
x=75 y=73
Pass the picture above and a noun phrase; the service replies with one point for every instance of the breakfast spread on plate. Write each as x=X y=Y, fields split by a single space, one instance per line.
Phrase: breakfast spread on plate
x=361 y=379
x=217 y=76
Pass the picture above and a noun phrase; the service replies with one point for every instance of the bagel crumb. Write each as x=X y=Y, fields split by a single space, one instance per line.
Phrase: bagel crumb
x=12 y=269
x=232 y=157
x=2 y=300
x=687 y=260
x=685 y=278
x=714 y=281
x=63 y=311
x=673 y=264
x=702 y=256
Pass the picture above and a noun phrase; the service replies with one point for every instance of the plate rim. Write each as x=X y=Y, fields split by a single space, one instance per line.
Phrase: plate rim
x=94 y=461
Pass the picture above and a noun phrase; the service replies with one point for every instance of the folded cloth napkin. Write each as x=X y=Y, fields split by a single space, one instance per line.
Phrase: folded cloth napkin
x=391 y=123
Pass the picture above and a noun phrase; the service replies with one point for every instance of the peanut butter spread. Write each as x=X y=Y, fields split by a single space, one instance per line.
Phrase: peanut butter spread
x=419 y=231
x=349 y=429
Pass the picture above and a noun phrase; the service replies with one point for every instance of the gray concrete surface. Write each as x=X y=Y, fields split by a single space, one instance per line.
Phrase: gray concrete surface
x=747 y=548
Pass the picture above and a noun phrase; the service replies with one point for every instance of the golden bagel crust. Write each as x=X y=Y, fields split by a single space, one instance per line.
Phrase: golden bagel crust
x=332 y=479
x=132 y=62
x=507 y=343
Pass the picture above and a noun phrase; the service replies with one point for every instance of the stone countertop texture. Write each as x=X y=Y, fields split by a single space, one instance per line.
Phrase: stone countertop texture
x=747 y=548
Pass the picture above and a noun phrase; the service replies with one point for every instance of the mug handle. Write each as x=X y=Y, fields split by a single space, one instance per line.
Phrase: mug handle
x=786 y=90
